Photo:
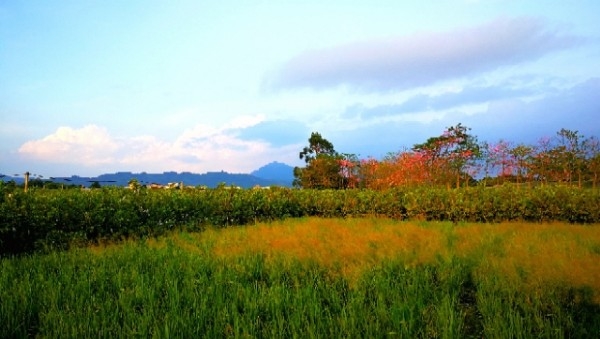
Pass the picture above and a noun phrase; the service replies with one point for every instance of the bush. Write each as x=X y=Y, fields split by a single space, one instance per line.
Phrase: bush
x=53 y=218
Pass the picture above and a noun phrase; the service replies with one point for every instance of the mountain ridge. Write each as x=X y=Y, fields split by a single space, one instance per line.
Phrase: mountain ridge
x=271 y=174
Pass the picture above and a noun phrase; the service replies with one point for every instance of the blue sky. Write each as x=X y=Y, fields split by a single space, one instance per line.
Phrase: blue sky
x=88 y=87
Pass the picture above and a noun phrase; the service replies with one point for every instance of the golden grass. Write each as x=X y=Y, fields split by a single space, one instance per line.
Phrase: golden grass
x=537 y=255
x=528 y=254
x=532 y=255
x=347 y=245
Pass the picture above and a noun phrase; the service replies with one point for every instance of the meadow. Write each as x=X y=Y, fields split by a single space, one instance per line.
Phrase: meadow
x=309 y=277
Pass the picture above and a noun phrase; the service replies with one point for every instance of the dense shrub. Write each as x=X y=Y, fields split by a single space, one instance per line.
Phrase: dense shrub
x=52 y=219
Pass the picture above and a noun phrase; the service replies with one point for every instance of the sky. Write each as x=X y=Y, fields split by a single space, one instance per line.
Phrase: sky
x=92 y=87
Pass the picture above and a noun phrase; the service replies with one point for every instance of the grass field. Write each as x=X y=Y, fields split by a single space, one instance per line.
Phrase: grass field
x=316 y=277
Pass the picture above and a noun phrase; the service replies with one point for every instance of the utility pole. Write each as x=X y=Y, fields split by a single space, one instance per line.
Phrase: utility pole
x=26 y=180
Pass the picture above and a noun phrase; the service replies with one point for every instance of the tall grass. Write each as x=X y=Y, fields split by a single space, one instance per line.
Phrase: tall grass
x=315 y=277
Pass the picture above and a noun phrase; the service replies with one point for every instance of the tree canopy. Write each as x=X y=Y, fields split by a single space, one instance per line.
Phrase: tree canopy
x=323 y=165
x=453 y=159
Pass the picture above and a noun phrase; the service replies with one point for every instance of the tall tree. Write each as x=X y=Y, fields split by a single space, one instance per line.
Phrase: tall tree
x=571 y=148
x=592 y=151
x=451 y=153
x=522 y=158
x=317 y=145
x=349 y=169
x=323 y=165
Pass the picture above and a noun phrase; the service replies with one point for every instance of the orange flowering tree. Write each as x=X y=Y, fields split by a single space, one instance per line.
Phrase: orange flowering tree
x=349 y=170
x=452 y=156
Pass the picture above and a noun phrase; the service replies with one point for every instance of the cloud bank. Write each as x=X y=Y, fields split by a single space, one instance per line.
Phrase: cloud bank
x=507 y=117
x=91 y=145
x=424 y=58
x=470 y=95
x=199 y=149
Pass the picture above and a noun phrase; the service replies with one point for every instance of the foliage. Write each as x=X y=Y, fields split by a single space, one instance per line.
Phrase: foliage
x=455 y=159
x=324 y=167
x=134 y=184
x=50 y=219
x=317 y=145
x=448 y=155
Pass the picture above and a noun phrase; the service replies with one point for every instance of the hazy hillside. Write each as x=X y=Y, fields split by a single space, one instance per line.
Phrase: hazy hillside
x=273 y=174
x=276 y=171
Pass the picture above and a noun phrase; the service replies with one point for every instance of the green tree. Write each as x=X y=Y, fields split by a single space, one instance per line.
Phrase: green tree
x=317 y=145
x=592 y=159
x=134 y=184
x=571 y=149
x=323 y=169
x=523 y=156
x=562 y=159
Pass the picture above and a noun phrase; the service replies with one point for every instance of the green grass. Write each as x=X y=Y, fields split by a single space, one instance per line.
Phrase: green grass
x=353 y=278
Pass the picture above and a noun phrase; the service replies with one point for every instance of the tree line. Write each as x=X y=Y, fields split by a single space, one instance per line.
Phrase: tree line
x=455 y=159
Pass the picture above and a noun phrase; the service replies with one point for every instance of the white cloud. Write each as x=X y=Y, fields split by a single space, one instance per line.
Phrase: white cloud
x=199 y=149
x=91 y=145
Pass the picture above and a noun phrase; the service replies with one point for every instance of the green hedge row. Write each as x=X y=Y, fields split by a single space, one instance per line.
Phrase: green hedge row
x=43 y=219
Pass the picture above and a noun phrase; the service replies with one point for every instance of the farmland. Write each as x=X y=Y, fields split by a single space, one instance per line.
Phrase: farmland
x=504 y=261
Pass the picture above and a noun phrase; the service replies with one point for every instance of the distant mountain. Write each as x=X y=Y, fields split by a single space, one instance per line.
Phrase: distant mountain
x=6 y=178
x=210 y=179
x=273 y=174
x=276 y=171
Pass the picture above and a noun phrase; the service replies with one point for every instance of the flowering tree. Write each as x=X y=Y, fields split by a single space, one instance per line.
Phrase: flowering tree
x=497 y=161
x=454 y=158
x=368 y=173
x=408 y=168
x=522 y=160
x=349 y=170
x=503 y=159
x=450 y=155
